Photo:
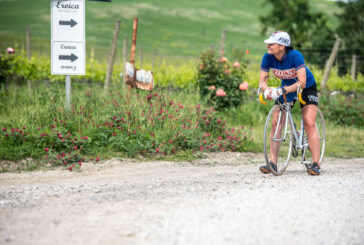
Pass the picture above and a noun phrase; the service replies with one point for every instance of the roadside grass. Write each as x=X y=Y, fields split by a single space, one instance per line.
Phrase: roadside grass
x=26 y=110
x=344 y=142
x=102 y=125
x=341 y=141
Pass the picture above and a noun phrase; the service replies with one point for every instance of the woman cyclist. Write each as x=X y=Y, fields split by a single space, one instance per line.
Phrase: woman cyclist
x=289 y=66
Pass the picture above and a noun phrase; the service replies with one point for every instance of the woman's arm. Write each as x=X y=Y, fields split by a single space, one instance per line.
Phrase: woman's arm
x=263 y=80
x=301 y=77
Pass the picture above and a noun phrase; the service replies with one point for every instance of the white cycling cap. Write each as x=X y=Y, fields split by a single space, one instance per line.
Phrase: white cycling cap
x=280 y=37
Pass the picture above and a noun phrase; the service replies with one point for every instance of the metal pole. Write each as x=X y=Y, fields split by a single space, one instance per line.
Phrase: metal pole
x=68 y=92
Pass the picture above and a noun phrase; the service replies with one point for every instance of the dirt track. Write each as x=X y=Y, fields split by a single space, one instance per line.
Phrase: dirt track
x=223 y=199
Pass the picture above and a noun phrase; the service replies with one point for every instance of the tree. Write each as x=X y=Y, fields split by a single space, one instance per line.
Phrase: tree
x=294 y=17
x=351 y=31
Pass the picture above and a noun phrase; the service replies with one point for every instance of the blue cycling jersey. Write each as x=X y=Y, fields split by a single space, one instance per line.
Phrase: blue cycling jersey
x=286 y=69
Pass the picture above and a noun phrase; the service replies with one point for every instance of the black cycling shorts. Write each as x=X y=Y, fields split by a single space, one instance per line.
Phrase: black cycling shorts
x=309 y=95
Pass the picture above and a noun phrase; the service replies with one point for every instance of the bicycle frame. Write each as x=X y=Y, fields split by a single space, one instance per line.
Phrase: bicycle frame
x=286 y=107
x=297 y=136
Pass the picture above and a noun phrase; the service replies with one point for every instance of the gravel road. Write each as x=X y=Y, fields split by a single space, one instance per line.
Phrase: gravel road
x=222 y=199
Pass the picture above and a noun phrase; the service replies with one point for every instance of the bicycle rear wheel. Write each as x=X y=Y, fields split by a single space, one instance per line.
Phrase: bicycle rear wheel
x=277 y=140
x=320 y=126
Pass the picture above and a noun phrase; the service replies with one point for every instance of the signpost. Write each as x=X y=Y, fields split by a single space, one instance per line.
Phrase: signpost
x=68 y=40
x=137 y=78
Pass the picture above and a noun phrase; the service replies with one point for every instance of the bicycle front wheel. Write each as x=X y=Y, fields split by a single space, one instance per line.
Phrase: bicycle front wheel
x=277 y=140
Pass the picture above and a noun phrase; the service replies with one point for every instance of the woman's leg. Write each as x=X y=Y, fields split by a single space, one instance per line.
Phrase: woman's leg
x=275 y=145
x=309 y=113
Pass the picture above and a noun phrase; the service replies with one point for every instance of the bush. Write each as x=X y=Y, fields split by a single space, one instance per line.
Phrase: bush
x=343 y=110
x=5 y=66
x=219 y=81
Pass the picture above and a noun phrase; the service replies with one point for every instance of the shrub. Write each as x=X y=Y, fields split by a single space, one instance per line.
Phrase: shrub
x=343 y=110
x=219 y=80
x=5 y=66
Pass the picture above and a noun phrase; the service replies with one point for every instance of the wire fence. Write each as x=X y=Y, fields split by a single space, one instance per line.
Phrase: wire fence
x=344 y=58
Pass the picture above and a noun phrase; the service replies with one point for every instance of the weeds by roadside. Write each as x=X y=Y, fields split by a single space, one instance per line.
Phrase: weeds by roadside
x=142 y=123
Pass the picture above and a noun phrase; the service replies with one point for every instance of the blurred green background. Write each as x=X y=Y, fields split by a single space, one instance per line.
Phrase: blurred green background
x=175 y=30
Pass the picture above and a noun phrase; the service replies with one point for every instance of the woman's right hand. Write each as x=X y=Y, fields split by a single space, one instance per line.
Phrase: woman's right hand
x=267 y=93
x=272 y=93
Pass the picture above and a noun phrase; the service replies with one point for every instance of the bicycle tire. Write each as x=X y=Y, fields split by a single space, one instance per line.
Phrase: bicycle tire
x=278 y=147
x=320 y=125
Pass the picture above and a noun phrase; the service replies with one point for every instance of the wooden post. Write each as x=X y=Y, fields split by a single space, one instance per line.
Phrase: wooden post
x=133 y=45
x=329 y=63
x=222 y=44
x=29 y=55
x=112 y=54
x=353 y=68
x=125 y=48
x=125 y=54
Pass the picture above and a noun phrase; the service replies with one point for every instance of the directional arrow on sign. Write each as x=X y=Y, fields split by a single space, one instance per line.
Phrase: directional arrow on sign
x=71 y=23
x=71 y=57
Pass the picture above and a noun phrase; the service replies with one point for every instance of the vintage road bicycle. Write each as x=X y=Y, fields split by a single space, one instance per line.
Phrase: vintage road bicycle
x=282 y=140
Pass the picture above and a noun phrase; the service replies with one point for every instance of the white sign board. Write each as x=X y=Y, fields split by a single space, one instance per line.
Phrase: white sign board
x=144 y=76
x=67 y=58
x=138 y=78
x=68 y=37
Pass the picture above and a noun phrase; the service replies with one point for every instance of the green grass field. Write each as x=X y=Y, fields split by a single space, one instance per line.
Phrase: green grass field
x=177 y=30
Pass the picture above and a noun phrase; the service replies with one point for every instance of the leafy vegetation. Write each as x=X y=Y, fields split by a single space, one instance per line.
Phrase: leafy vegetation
x=343 y=109
x=351 y=30
x=311 y=33
x=18 y=69
x=294 y=17
x=220 y=82
x=114 y=123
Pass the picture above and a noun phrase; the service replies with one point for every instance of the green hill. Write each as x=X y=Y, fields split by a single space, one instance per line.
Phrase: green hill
x=175 y=29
